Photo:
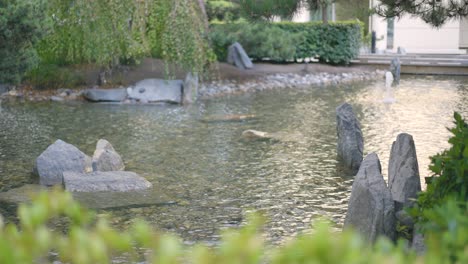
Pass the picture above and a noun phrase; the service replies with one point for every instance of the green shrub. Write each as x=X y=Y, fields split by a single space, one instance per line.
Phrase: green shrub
x=334 y=43
x=51 y=76
x=261 y=41
x=222 y=10
x=450 y=172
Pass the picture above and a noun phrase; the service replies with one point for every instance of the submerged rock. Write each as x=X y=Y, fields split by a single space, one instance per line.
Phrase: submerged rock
x=350 y=142
x=105 y=95
x=22 y=194
x=371 y=208
x=403 y=170
x=228 y=118
x=60 y=157
x=105 y=157
x=96 y=200
x=255 y=134
x=114 y=181
x=157 y=90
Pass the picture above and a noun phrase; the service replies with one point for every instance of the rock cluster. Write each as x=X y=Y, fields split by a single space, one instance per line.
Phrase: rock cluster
x=206 y=90
x=374 y=209
x=64 y=164
x=149 y=91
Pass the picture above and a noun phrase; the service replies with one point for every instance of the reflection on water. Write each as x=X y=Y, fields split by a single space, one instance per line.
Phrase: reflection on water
x=210 y=177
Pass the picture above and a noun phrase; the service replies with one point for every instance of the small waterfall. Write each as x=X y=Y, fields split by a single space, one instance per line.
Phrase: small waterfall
x=388 y=97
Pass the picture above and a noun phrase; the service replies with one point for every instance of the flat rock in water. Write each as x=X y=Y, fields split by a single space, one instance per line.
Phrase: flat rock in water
x=403 y=170
x=371 y=207
x=105 y=95
x=97 y=200
x=22 y=194
x=350 y=142
x=113 y=181
x=105 y=157
x=157 y=90
x=60 y=157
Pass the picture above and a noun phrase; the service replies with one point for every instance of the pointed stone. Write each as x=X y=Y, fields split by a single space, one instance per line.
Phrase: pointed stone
x=105 y=157
x=403 y=170
x=350 y=142
x=371 y=207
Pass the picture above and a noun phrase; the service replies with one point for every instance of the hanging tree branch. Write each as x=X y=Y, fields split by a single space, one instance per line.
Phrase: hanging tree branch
x=433 y=12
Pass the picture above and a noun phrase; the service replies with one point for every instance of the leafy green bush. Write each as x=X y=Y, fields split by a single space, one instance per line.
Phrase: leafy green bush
x=334 y=43
x=222 y=10
x=90 y=239
x=261 y=41
x=446 y=231
x=450 y=168
x=21 y=26
x=51 y=76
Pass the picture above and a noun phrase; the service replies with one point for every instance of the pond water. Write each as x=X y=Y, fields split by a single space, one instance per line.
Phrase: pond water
x=208 y=177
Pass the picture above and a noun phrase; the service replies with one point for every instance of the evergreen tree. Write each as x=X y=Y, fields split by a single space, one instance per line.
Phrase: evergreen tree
x=433 y=12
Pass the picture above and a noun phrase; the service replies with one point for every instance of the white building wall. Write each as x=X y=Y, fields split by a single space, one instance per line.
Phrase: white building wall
x=416 y=36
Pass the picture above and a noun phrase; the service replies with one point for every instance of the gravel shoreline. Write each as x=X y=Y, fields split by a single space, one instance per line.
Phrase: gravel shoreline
x=284 y=81
x=218 y=88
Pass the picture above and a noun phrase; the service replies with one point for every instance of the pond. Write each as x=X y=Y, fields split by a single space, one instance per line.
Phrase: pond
x=206 y=177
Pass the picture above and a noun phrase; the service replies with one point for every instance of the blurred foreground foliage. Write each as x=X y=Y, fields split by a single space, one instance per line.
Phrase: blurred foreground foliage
x=90 y=239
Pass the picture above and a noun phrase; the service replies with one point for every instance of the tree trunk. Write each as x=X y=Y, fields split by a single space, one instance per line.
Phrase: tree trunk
x=325 y=13
x=201 y=4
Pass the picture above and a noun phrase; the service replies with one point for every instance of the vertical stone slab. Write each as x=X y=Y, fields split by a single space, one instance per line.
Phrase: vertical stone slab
x=190 y=88
x=238 y=57
x=371 y=207
x=395 y=69
x=403 y=170
x=350 y=142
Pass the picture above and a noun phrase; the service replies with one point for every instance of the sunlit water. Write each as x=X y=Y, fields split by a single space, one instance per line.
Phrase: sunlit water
x=210 y=177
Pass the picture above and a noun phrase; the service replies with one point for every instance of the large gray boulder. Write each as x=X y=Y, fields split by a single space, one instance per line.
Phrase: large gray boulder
x=105 y=158
x=403 y=170
x=113 y=181
x=105 y=95
x=371 y=208
x=238 y=57
x=350 y=142
x=395 y=69
x=60 y=157
x=157 y=90
x=190 y=91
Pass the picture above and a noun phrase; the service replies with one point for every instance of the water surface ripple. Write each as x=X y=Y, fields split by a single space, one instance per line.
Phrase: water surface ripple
x=210 y=176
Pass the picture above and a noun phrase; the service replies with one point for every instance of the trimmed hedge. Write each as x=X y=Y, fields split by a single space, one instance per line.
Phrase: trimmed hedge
x=334 y=43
